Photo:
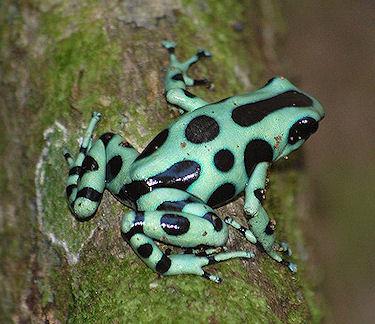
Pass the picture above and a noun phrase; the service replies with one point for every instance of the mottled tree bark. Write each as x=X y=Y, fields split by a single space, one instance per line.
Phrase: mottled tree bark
x=60 y=60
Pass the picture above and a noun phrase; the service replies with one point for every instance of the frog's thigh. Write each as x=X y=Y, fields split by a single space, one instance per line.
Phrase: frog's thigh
x=183 y=229
x=205 y=226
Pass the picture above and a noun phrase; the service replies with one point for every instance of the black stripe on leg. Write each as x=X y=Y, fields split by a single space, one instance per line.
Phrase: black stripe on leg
x=163 y=265
x=75 y=171
x=89 y=164
x=67 y=156
x=145 y=250
x=137 y=227
x=90 y=194
x=69 y=189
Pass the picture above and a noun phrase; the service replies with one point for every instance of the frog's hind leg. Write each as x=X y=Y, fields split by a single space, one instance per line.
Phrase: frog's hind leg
x=95 y=169
x=177 y=80
x=181 y=229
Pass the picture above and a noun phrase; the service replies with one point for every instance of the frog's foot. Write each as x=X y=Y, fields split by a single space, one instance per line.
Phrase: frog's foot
x=274 y=255
x=207 y=252
x=177 y=79
x=243 y=230
x=169 y=45
x=86 y=142
x=211 y=277
x=283 y=247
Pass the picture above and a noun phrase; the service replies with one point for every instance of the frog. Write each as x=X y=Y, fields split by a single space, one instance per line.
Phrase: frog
x=209 y=156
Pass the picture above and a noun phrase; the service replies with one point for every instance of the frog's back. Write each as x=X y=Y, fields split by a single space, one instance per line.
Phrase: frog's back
x=211 y=151
x=200 y=152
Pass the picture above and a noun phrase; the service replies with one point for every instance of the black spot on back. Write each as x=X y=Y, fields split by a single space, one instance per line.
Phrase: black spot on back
x=249 y=114
x=163 y=265
x=174 y=224
x=145 y=250
x=257 y=151
x=105 y=138
x=214 y=220
x=132 y=191
x=158 y=141
x=202 y=129
x=180 y=175
x=113 y=168
x=224 y=160
x=221 y=195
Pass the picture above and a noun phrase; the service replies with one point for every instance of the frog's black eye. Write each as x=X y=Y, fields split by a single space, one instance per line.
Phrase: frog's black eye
x=302 y=129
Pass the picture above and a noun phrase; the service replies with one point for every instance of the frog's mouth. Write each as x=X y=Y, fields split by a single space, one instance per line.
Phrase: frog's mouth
x=302 y=130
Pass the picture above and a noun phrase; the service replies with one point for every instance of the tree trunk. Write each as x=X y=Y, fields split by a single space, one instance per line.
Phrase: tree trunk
x=60 y=60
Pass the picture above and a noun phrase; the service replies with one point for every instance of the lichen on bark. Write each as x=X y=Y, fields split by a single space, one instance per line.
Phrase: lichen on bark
x=59 y=61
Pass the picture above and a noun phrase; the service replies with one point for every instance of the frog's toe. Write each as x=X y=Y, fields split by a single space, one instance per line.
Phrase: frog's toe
x=291 y=266
x=68 y=157
x=168 y=44
x=249 y=255
x=284 y=248
x=203 y=53
x=211 y=277
x=96 y=115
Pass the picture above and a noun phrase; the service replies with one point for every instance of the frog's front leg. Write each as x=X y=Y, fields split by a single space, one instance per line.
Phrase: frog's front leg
x=177 y=80
x=96 y=168
x=261 y=226
x=184 y=229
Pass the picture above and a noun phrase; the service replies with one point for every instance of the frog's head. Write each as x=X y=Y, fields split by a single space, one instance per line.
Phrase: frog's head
x=299 y=119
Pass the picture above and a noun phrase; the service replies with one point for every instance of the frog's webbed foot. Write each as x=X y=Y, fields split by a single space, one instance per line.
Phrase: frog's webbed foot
x=177 y=79
x=243 y=230
x=283 y=247
x=276 y=256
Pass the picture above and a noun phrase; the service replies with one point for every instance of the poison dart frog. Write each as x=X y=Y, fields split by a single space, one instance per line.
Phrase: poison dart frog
x=205 y=159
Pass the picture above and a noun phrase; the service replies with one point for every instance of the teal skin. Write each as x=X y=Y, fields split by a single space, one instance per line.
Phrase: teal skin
x=206 y=158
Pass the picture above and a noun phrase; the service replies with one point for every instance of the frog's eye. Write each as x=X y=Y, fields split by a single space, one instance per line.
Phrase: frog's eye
x=302 y=129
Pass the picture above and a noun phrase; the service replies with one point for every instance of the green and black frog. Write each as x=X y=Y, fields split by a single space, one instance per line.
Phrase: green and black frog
x=205 y=159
